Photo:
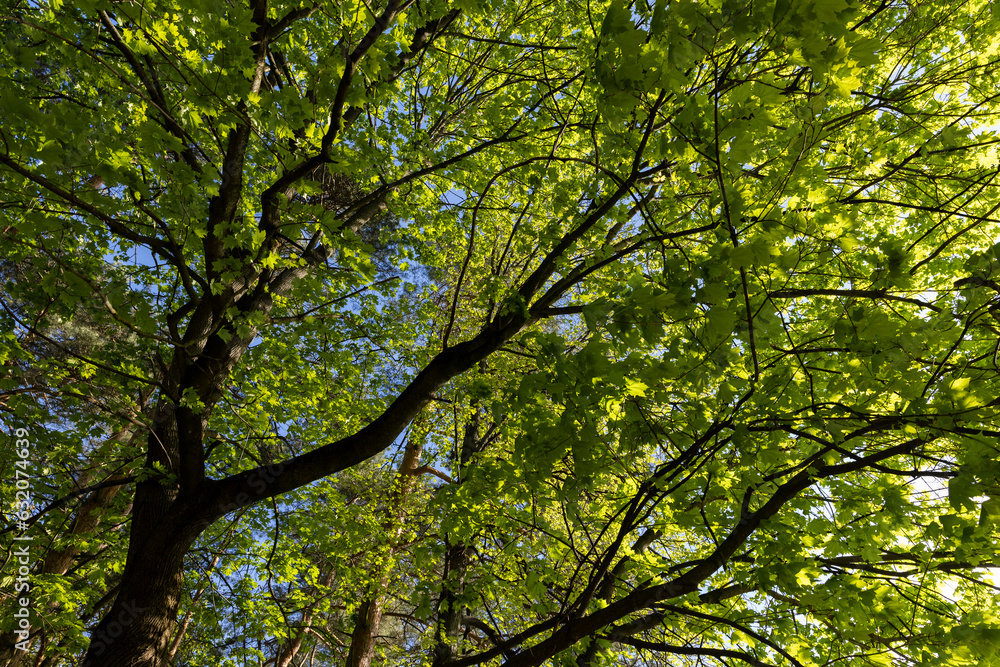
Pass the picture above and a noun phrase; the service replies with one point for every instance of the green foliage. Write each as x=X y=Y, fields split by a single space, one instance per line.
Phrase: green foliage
x=688 y=310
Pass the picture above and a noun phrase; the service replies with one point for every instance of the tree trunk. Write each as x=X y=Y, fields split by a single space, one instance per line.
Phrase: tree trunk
x=366 y=627
x=456 y=564
x=288 y=652
x=136 y=631
x=370 y=611
x=450 y=612
x=179 y=634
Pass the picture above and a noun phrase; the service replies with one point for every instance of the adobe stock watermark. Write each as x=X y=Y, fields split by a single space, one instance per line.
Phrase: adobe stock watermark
x=22 y=541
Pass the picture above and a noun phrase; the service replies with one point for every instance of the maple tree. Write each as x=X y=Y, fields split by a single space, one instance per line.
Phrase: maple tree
x=501 y=332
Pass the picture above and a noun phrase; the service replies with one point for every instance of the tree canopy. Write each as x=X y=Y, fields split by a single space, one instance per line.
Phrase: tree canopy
x=500 y=332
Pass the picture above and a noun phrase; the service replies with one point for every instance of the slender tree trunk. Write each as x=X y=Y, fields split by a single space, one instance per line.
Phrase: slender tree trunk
x=370 y=611
x=450 y=611
x=456 y=564
x=288 y=652
x=179 y=634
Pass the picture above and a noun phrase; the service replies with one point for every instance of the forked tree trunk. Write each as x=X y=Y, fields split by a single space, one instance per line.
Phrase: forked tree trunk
x=136 y=631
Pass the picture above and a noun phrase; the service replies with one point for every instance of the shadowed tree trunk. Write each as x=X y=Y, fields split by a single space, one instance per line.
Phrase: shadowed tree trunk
x=144 y=612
